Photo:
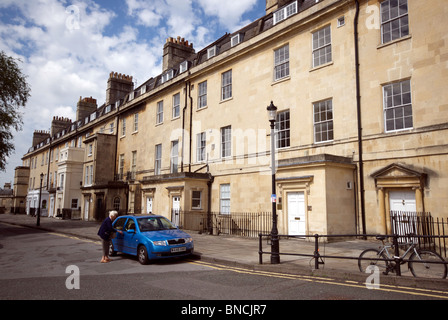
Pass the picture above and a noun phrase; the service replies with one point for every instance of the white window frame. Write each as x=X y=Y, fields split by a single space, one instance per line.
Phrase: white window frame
x=226 y=85
x=174 y=158
x=391 y=18
x=195 y=197
x=136 y=122
x=281 y=63
x=397 y=106
x=159 y=112
x=236 y=39
x=283 y=130
x=176 y=106
x=158 y=160
x=201 y=144
x=123 y=127
x=322 y=121
x=211 y=52
x=285 y=12
x=183 y=66
x=202 y=94
x=226 y=142
x=322 y=46
x=224 y=198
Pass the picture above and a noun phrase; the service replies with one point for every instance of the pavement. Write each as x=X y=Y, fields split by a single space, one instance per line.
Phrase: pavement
x=243 y=252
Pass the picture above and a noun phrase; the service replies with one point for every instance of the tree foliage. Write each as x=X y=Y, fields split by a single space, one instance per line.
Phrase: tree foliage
x=14 y=93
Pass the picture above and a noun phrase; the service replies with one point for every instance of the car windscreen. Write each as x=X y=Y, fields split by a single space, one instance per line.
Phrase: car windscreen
x=154 y=224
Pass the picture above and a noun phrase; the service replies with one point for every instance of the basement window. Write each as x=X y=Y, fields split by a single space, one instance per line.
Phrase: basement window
x=285 y=12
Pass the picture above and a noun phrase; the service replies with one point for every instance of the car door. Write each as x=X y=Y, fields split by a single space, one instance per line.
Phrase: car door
x=130 y=237
x=118 y=241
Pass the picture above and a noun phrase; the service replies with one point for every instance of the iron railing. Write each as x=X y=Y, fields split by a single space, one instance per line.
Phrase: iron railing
x=245 y=224
x=432 y=230
x=318 y=258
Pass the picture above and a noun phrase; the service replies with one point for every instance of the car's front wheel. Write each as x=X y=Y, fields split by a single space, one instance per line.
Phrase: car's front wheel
x=142 y=254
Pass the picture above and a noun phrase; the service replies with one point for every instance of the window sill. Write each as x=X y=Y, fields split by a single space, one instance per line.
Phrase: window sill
x=281 y=80
x=225 y=100
x=394 y=41
x=322 y=66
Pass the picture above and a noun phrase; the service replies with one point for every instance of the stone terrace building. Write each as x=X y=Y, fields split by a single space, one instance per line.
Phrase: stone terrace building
x=361 y=127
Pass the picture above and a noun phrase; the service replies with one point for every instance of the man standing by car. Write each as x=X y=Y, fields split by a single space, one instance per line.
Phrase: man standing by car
x=106 y=232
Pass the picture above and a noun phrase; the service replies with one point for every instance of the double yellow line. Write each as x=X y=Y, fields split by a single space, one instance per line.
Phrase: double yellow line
x=347 y=283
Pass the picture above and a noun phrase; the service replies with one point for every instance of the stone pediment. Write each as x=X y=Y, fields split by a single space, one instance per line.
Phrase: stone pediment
x=398 y=175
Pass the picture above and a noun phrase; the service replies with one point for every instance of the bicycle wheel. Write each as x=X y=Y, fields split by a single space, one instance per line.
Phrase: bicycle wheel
x=427 y=270
x=370 y=257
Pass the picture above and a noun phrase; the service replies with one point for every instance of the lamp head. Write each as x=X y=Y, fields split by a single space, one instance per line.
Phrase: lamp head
x=272 y=112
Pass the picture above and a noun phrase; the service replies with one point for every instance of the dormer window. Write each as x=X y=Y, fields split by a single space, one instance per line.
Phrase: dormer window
x=131 y=95
x=236 y=39
x=143 y=90
x=183 y=66
x=167 y=76
x=117 y=104
x=108 y=108
x=93 y=116
x=211 y=52
x=285 y=12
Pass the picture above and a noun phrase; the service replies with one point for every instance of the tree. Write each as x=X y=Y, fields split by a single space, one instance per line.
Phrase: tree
x=14 y=93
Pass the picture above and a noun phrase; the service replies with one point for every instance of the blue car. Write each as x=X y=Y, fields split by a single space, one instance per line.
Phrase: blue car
x=149 y=237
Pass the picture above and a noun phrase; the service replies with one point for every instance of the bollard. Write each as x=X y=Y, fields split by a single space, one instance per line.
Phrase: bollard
x=397 y=256
x=316 y=251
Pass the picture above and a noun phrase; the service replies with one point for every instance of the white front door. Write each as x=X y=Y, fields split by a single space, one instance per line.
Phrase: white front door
x=148 y=205
x=402 y=201
x=296 y=213
x=51 y=214
x=86 y=209
x=175 y=210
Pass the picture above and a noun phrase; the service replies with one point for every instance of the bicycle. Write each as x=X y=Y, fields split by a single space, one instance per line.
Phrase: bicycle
x=421 y=263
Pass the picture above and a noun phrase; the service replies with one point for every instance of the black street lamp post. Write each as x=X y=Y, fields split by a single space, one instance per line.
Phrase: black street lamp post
x=275 y=246
x=40 y=199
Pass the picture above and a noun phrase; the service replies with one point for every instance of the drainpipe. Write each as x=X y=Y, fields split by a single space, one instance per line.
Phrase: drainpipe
x=209 y=207
x=183 y=127
x=358 y=108
x=191 y=123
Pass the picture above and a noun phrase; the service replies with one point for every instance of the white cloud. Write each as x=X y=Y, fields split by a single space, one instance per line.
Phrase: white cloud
x=229 y=15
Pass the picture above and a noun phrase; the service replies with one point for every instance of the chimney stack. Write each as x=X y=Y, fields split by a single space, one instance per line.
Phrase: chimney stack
x=176 y=51
x=58 y=124
x=85 y=107
x=39 y=136
x=118 y=86
x=273 y=5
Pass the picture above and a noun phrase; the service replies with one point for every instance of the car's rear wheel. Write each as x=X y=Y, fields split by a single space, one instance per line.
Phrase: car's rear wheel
x=142 y=254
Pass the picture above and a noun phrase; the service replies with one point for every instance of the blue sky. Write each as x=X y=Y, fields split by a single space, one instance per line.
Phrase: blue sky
x=68 y=48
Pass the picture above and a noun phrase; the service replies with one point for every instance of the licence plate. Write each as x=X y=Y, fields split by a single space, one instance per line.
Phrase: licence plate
x=179 y=249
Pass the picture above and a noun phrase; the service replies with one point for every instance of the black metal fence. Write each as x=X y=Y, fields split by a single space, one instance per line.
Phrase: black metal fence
x=245 y=224
x=318 y=258
x=423 y=224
